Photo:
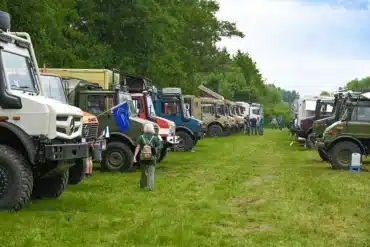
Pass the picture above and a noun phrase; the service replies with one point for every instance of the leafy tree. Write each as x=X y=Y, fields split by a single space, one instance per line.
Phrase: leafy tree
x=324 y=93
x=172 y=42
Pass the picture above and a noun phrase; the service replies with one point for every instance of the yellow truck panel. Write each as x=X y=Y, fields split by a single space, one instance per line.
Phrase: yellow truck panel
x=103 y=77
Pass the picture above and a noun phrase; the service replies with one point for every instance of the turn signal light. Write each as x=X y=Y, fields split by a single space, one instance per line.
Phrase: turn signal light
x=4 y=118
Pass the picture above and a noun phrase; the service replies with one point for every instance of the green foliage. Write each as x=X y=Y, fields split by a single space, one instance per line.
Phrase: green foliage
x=358 y=85
x=171 y=42
x=324 y=93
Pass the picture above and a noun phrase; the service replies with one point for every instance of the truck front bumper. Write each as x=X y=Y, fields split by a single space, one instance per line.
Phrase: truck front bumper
x=199 y=135
x=320 y=144
x=203 y=129
x=60 y=152
x=171 y=140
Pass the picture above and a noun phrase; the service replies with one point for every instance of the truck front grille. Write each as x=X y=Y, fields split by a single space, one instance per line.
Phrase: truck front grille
x=90 y=131
x=67 y=125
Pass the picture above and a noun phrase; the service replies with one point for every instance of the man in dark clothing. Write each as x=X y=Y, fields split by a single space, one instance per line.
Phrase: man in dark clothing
x=253 y=125
x=246 y=125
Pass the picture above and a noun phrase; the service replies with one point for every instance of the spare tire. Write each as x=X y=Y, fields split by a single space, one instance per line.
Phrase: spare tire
x=4 y=21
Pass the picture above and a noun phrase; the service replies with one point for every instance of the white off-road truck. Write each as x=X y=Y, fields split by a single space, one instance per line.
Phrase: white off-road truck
x=40 y=138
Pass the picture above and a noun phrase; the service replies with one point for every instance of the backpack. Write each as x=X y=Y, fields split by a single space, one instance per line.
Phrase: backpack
x=146 y=151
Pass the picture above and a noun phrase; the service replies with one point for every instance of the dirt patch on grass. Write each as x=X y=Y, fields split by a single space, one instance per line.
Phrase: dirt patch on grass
x=259 y=180
x=245 y=200
x=258 y=228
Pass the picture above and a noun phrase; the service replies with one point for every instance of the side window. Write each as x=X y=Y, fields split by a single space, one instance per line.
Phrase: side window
x=170 y=108
x=97 y=104
x=138 y=105
x=363 y=114
x=206 y=109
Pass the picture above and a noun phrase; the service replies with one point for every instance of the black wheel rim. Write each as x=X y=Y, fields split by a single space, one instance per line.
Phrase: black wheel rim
x=116 y=159
x=181 y=143
x=344 y=157
x=4 y=182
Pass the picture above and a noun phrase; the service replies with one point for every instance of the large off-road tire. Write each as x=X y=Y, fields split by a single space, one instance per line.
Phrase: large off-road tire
x=16 y=179
x=162 y=154
x=214 y=130
x=51 y=187
x=77 y=172
x=186 y=141
x=340 y=154
x=323 y=155
x=117 y=157
x=310 y=141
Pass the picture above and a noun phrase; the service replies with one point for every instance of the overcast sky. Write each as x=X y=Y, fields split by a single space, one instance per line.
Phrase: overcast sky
x=306 y=45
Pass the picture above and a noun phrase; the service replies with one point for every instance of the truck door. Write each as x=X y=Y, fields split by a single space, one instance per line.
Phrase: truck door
x=99 y=105
x=359 y=125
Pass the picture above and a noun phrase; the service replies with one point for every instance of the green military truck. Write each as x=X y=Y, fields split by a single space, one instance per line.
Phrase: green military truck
x=210 y=111
x=351 y=134
x=320 y=125
x=92 y=98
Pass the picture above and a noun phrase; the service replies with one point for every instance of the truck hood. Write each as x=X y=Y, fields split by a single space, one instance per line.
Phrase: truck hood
x=61 y=108
x=168 y=121
x=323 y=120
x=58 y=107
x=196 y=119
x=142 y=121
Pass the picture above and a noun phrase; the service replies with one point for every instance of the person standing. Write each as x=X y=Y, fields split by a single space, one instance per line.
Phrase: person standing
x=262 y=122
x=246 y=125
x=147 y=145
x=253 y=124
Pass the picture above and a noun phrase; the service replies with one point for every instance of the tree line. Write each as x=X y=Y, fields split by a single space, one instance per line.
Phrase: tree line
x=172 y=42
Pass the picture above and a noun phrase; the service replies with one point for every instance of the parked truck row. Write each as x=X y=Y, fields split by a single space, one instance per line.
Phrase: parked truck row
x=336 y=126
x=53 y=119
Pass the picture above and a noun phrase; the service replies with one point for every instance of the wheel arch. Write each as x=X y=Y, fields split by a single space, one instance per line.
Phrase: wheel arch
x=17 y=138
x=121 y=137
x=187 y=130
x=215 y=123
x=350 y=139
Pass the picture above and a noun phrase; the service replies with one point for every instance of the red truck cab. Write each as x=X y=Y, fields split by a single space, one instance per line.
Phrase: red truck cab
x=167 y=129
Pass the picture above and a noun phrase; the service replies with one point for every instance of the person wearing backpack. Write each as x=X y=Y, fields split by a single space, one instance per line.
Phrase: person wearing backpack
x=147 y=145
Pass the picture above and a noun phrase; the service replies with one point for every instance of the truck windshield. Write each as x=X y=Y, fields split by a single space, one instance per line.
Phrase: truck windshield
x=18 y=72
x=126 y=97
x=150 y=104
x=219 y=110
x=256 y=111
x=53 y=88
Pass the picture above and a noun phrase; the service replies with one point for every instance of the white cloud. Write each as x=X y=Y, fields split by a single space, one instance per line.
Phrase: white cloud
x=306 y=47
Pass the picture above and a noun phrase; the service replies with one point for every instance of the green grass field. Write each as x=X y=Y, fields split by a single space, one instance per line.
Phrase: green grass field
x=233 y=191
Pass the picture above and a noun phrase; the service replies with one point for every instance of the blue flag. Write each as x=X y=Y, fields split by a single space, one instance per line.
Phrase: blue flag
x=122 y=116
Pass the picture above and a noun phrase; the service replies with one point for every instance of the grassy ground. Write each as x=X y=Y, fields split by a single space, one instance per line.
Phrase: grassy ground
x=233 y=191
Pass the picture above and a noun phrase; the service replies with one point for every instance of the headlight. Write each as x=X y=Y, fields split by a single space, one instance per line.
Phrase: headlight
x=172 y=129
